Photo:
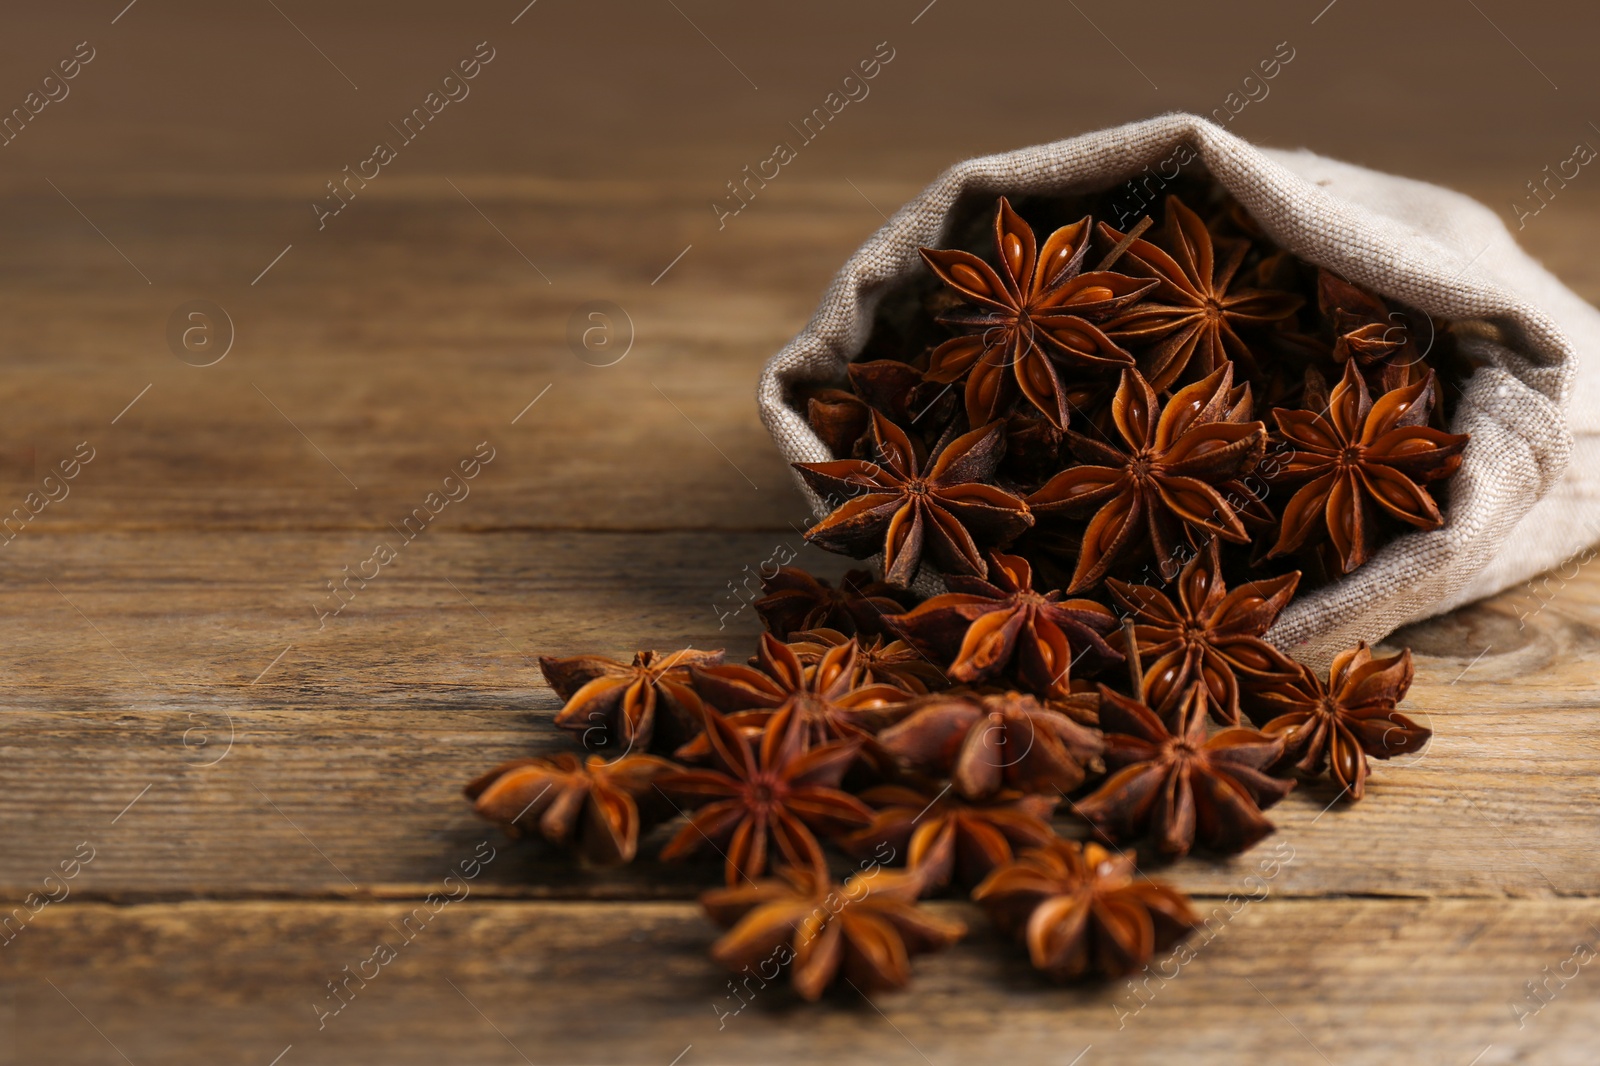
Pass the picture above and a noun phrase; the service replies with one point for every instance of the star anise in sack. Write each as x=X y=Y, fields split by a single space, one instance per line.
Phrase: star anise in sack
x=756 y=800
x=1210 y=638
x=865 y=930
x=590 y=803
x=944 y=837
x=794 y=600
x=1161 y=479
x=989 y=742
x=1029 y=319
x=983 y=628
x=618 y=706
x=1334 y=727
x=827 y=700
x=908 y=508
x=1193 y=318
x=1178 y=786
x=1081 y=910
x=1357 y=460
x=877 y=662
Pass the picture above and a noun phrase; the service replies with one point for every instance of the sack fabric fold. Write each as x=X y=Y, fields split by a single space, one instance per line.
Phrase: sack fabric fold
x=1527 y=495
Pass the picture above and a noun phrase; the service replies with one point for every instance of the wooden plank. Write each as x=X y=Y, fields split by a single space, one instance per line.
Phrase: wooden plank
x=349 y=752
x=1281 y=981
x=368 y=362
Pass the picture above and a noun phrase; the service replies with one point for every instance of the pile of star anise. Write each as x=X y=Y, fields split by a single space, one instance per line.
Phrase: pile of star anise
x=1075 y=451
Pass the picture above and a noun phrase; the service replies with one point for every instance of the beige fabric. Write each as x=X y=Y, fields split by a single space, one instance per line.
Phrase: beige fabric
x=1516 y=507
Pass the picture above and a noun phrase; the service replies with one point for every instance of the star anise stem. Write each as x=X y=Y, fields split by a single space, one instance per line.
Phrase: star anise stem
x=1127 y=242
x=1130 y=644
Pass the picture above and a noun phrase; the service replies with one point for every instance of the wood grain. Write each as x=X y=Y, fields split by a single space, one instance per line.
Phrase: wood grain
x=335 y=410
x=1281 y=981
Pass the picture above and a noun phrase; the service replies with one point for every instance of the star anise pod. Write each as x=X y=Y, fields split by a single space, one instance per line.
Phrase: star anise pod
x=1191 y=321
x=752 y=801
x=877 y=662
x=987 y=743
x=1210 y=639
x=1177 y=785
x=1357 y=456
x=1162 y=479
x=1367 y=331
x=838 y=418
x=1363 y=326
x=794 y=600
x=865 y=930
x=900 y=392
x=618 y=705
x=896 y=389
x=982 y=628
x=907 y=508
x=1081 y=910
x=1240 y=492
x=1033 y=450
x=1334 y=727
x=1052 y=549
x=944 y=837
x=1031 y=317
x=590 y=803
x=827 y=700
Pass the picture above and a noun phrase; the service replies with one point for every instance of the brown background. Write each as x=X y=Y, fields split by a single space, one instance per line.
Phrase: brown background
x=263 y=796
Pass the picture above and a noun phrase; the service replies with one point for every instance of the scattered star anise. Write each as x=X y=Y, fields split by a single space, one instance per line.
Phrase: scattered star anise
x=776 y=796
x=1210 y=639
x=907 y=508
x=944 y=837
x=1080 y=909
x=616 y=705
x=1177 y=785
x=794 y=600
x=1334 y=727
x=1191 y=321
x=987 y=743
x=590 y=803
x=1358 y=455
x=877 y=662
x=1163 y=478
x=865 y=930
x=828 y=700
x=984 y=627
x=1031 y=316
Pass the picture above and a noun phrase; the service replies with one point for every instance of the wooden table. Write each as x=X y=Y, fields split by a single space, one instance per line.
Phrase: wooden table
x=252 y=791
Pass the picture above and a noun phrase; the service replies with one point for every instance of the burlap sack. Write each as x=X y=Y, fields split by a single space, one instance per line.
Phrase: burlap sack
x=1525 y=498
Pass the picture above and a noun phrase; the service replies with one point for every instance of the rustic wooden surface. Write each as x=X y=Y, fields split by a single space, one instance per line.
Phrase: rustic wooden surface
x=266 y=795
